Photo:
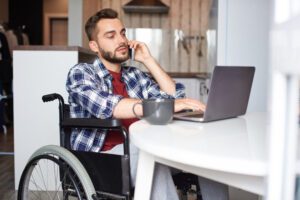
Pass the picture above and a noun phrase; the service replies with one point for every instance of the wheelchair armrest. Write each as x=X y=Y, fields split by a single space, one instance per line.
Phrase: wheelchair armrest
x=108 y=124
x=91 y=123
x=66 y=122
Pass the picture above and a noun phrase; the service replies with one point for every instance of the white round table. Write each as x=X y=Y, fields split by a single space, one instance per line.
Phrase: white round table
x=231 y=151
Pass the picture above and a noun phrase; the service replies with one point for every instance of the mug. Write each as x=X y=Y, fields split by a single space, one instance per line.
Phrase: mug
x=156 y=111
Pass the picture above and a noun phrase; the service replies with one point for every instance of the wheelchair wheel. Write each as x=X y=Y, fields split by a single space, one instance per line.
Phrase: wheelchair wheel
x=54 y=173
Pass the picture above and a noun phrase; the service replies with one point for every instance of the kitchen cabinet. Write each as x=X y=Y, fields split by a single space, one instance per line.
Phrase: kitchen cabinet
x=196 y=88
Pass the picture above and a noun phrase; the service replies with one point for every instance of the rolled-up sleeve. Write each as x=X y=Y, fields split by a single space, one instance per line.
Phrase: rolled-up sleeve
x=90 y=94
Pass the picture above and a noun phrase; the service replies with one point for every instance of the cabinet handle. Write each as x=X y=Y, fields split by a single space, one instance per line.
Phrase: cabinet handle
x=203 y=89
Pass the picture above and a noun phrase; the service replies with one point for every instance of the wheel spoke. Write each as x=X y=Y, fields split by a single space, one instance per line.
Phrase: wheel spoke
x=45 y=170
x=43 y=180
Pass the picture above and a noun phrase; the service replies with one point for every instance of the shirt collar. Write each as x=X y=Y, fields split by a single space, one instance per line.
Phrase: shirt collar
x=103 y=72
x=100 y=68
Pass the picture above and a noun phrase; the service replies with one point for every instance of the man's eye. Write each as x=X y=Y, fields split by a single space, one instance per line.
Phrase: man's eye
x=110 y=36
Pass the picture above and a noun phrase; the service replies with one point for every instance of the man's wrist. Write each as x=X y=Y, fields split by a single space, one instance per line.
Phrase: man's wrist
x=149 y=61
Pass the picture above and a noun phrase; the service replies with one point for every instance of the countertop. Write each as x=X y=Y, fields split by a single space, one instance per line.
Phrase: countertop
x=201 y=75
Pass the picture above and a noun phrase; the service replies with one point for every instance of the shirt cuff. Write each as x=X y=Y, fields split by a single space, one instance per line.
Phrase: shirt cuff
x=180 y=90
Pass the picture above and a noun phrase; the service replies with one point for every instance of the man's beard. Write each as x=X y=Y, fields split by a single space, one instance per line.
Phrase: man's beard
x=111 y=56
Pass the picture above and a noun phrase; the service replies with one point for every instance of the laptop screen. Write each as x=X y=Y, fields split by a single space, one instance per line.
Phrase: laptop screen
x=228 y=94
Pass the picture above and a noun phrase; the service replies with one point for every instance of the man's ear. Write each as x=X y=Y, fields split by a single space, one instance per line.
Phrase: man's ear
x=93 y=46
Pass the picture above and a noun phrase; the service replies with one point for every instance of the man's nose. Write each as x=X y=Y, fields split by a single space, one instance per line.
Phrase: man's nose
x=122 y=39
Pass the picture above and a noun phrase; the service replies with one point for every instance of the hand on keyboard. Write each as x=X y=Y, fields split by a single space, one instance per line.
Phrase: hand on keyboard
x=188 y=104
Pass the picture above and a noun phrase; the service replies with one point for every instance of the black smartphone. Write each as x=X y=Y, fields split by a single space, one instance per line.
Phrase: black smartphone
x=131 y=53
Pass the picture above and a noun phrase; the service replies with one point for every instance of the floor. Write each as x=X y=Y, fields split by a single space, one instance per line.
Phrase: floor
x=7 y=185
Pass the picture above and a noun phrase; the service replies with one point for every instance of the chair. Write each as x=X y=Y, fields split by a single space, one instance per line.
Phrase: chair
x=95 y=176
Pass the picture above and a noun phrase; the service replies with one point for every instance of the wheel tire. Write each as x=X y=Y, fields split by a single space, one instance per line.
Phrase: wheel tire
x=55 y=173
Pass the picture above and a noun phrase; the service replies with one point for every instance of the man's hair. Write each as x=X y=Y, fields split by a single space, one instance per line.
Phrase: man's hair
x=91 y=23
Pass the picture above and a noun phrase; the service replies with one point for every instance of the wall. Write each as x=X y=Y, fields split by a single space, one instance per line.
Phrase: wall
x=3 y=11
x=190 y=16
x=55 y=6
x=243 y=37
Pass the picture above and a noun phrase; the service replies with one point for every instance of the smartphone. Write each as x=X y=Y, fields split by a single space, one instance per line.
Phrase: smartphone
x=131 y=53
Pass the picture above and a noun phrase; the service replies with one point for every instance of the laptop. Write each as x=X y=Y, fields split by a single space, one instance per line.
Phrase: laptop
x=228 y=95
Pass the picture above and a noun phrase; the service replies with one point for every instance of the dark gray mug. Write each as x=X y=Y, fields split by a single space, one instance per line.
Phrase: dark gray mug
x=156 y=111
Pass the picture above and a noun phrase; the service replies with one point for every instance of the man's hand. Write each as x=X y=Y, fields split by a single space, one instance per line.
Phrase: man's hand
x=189 y=104
x=142 y=53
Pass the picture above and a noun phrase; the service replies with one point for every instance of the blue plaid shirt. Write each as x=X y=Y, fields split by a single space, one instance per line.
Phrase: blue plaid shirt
x=91 y=96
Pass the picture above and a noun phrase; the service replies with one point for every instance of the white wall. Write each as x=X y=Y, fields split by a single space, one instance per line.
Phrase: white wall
x=243 y=40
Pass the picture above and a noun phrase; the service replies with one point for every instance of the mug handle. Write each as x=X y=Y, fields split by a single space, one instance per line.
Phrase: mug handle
x=134 y=111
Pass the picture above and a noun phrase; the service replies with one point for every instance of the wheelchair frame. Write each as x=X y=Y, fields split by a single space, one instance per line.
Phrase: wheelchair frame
x=77 y=174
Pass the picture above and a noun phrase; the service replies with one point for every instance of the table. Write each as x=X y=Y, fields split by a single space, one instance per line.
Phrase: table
x=231 y=151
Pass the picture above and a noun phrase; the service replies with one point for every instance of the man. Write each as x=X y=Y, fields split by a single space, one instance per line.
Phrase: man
x=107 y=89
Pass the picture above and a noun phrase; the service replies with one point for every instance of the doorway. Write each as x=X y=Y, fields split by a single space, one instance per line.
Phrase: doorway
x=56 y=29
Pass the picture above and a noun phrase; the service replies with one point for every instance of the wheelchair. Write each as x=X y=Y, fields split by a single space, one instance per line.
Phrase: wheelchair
x=58 y=172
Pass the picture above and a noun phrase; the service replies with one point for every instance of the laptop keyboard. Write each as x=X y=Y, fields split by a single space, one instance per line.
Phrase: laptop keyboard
x=196 y=115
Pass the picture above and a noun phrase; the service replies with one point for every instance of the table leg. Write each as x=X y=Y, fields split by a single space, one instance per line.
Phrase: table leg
x=144 y=176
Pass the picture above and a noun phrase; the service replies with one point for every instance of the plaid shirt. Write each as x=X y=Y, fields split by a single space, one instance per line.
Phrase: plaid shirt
x=91 y=96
